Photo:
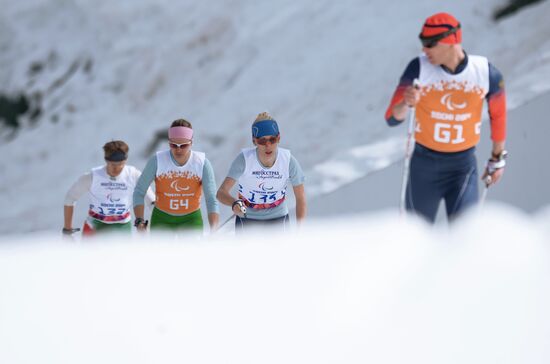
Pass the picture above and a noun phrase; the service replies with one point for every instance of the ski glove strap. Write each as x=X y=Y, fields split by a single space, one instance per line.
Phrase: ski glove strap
x=497 y=162
x=241 y=205
x=139 y=221
x=70 y=231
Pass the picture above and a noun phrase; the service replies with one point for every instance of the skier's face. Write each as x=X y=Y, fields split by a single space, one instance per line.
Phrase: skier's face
x=180 y=147
x=439 y=53
x=115 y=168
x=267 y=144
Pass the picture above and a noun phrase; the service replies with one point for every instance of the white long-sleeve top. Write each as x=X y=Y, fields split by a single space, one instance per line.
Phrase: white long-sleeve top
x=84 y=183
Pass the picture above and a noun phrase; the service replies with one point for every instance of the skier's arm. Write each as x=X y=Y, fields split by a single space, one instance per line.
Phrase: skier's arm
x=209 y=189
x=79 y=188
x=491 y=169
x=496 y=99
x=498 y=147
x=301 y=206
x=149 y=197
x=68 y=212
x=224 y=196
x=224 y=192
x=297 y=179
x=142 y=186
x=404 y=95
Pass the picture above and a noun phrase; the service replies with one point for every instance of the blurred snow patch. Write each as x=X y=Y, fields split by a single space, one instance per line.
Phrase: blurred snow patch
x=350 y=165
x=376 y=288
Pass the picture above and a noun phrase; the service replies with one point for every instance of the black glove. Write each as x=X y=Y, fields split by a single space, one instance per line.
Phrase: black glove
x=139 y=221
x=241 y=205
x=70 y=231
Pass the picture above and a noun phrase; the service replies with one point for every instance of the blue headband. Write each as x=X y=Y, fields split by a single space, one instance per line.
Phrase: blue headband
x=264 y=128
x=117 y=156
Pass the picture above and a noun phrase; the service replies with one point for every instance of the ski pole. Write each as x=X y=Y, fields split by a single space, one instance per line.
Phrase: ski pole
x=408 y=152
x=492 y=166
x=241 y=206
x=487 y=180
x=225 y=222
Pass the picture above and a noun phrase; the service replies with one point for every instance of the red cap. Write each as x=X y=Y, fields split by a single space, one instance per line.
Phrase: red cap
x=441 y=23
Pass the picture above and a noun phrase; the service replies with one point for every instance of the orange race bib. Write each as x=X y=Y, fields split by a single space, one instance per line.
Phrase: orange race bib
x=178 y=193
x=448 y=116
x=179 y=188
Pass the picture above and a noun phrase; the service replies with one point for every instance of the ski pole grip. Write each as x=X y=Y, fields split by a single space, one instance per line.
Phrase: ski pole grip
x=241 y=205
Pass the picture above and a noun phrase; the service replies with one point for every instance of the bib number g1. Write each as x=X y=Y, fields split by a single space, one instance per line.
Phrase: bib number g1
x=453 y=134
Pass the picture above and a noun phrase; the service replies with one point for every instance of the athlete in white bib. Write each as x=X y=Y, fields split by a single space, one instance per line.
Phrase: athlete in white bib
x=110 y=189
x=262 y=174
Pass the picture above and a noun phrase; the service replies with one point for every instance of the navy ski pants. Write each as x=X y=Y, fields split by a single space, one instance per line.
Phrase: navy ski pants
x=279 y=224
x=436 y=175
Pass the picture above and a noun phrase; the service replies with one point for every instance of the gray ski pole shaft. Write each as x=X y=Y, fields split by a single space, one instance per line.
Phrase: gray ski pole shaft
x=408 y=153
x=487 y=181
x=225 y=222
x=241 y=205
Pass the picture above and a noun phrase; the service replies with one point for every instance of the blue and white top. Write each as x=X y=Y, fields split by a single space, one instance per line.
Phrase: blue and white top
x=263 y=189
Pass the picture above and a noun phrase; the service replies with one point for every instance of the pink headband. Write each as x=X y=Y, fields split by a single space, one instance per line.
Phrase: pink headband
x=180 y=132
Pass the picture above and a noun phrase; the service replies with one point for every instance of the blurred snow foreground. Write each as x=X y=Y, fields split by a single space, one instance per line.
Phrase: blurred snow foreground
x=374 y=289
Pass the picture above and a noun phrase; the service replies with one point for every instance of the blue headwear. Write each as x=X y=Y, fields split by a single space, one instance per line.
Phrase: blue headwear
x=265 y=128
x=117 y=156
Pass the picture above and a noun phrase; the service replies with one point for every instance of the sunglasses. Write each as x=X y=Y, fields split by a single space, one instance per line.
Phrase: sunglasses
x=430 y=42
x=264 y=141
x=180 y=145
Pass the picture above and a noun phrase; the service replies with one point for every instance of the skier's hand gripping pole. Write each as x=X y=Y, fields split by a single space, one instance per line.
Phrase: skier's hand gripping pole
x=493 y=173
x=238 y=208
x=411 y=98
x=495 y=168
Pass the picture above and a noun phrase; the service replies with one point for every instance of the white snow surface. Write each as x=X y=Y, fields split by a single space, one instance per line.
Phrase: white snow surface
x=325 y=69
x=359 y=284
x=360 y=292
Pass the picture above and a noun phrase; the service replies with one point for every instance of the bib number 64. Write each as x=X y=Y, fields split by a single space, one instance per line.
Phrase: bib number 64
x=175 y=204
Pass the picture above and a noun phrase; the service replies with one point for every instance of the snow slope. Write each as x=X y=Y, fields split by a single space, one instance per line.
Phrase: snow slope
x=354 y=286
x=325 y=69
x=362 y=292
